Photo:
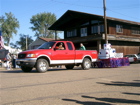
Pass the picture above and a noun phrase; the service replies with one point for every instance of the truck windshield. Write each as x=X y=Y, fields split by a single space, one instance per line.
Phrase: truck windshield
x=47 y=45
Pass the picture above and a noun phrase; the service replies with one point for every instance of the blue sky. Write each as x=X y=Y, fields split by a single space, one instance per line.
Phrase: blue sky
x=23 y=10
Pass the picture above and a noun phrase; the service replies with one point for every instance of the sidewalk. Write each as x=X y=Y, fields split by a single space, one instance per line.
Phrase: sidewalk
x=2 y=68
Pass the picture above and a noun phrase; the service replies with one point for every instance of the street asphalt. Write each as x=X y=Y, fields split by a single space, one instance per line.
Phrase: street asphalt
x=97 y=86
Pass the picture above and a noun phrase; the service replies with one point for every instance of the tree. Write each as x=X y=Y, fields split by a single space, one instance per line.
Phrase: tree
x=12 y=45
x=22 y=41
x=9 y=26
x=41 y=22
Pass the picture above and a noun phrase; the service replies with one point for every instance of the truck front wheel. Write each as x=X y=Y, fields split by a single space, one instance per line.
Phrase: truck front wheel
x=86 y=64
x=26 y=69
x=42 y=65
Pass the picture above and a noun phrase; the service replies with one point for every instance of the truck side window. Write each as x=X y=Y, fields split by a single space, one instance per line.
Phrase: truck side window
x=69 y=46
x=60 y=46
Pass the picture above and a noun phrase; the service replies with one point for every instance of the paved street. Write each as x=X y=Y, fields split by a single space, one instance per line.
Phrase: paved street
x=97 y=86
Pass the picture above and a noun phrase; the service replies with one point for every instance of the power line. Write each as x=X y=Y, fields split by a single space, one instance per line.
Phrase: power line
x=123 y=14
x=119 y=7
x=62 y=2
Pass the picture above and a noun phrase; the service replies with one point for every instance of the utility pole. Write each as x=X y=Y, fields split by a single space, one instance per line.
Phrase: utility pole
x=105 y=22
x=55 y=35
x=45 y=33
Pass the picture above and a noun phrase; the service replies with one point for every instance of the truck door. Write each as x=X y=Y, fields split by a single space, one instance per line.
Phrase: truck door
x=62 y=56
x=71 y=52
x=59 y=55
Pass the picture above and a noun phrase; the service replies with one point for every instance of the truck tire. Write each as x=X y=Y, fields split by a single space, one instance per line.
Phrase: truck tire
x=69 y=66
x=86 y=64
x=26 y=69
x=42 y=65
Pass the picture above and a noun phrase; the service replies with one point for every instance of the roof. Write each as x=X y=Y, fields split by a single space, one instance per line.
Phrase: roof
x=73 y=18
x=46 y=39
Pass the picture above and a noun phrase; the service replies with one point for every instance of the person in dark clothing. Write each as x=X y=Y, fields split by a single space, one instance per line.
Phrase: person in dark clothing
x=14 y=61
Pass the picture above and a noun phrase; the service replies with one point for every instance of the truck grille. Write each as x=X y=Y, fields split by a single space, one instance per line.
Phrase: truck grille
x=21 y=56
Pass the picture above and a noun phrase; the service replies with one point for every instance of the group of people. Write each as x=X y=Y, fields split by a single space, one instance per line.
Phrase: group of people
x=10 y=61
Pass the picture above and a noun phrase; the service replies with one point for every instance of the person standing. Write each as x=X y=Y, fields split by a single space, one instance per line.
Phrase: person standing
x=14 y=60
x=8 y=60
x=82 y=47
x=0 y=63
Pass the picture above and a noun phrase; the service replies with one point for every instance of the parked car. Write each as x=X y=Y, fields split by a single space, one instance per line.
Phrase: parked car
x=133 y=58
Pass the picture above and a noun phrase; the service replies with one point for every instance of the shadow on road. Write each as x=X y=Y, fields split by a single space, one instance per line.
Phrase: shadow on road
x=136 y=83
x=137 y=80
x=114 y=100
x=61 y=69
x=86 y=102
x=131 y=93
x=113 y=83
x=11 y=71
x=3 y=70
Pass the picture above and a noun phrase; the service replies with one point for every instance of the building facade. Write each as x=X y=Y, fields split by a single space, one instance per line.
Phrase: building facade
x=88 y=29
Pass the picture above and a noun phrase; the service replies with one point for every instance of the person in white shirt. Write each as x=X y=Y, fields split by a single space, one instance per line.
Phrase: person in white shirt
x=8 y=60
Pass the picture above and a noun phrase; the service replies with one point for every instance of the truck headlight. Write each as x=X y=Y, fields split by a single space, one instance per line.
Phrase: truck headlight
x=31 y=55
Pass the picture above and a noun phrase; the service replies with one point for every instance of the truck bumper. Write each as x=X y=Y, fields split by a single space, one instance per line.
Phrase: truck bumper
x=28 y=62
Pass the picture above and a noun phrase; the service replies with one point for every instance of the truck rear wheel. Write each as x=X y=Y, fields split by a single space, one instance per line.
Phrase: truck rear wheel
x=42 y=65
x=86 y=64
x=69 y=66
x=26 y=69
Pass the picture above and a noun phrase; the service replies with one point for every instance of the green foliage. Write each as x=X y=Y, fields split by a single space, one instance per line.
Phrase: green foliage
x=12 y=45
x=22 y=41
x=9 y=25
x=41 y=22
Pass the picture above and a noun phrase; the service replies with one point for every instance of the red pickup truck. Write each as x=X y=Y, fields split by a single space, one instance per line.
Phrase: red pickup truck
x=49 y=54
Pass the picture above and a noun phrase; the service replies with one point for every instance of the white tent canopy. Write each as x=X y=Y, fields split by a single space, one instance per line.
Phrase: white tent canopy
x=12 y=50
